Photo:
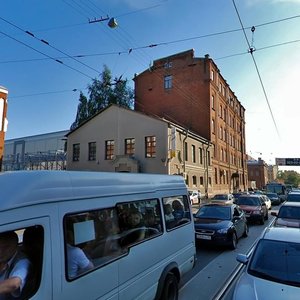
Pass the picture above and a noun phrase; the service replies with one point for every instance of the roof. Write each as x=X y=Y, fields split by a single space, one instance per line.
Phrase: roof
x=284 y=234
x=290 y=203
x=24 y=188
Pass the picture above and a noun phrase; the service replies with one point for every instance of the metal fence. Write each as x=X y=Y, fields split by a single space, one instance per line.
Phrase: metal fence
x=50 y=160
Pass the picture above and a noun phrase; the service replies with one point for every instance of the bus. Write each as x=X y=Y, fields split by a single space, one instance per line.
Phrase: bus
x=278 y=188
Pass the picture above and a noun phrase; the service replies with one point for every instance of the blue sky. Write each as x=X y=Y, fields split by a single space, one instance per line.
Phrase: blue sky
x=41 y=96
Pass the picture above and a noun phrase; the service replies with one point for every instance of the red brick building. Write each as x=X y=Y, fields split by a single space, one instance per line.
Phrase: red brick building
x=192 y=92
x=257 y=174
x=3 y=120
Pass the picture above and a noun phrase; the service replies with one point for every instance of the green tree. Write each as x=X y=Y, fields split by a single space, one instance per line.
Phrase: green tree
x=289 y=177
x=82 y=111
x=103 y=92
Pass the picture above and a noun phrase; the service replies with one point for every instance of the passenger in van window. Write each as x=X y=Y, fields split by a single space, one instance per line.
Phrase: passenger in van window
x=135 y=219
x=77 y=261
x=168 y=212
x=178 y=211
x=151 y=221
x=14 y=266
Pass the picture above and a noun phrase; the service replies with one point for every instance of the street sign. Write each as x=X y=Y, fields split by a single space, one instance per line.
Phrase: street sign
x=287 y=161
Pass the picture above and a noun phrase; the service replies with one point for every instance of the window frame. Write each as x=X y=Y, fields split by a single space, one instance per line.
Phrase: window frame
x=76 y=152
x=150 y=146
x=92 y=151
x=129 y=146
x=109 y=149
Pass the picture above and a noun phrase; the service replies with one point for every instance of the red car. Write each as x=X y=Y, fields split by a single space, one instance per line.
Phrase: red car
x=254 y=207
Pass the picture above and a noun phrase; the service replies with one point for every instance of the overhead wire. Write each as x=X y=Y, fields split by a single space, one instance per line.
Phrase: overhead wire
x=44 y=54
x=165 y=43
x=45 y=93
x=47 y=43
x=257 y=70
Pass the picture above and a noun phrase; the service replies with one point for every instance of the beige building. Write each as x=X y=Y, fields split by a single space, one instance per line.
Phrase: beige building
x=122 y=140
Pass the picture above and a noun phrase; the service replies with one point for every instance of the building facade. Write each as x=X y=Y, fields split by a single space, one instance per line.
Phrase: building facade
x=122 y=140
x=257 y=174
x=3 y=120
x=193 y=92
x=38 y=152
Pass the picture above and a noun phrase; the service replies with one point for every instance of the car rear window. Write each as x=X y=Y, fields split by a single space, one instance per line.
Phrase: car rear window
x=251 y=201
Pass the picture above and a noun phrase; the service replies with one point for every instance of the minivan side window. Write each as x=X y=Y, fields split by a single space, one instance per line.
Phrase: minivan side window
x=97 y=237
x=176 y=211
x=22 y=256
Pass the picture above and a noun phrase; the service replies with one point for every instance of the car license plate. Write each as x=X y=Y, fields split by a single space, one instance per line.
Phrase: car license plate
x=203 y=237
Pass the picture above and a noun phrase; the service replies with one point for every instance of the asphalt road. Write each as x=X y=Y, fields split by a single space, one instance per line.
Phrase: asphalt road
x=215 y=265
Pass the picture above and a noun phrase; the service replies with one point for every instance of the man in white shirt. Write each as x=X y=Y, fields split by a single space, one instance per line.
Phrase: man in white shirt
x=14 y=267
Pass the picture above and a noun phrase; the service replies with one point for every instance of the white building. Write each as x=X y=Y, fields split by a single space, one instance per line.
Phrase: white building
x=122 y=140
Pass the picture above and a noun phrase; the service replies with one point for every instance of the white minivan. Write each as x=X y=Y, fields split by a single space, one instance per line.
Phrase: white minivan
x=135 y=231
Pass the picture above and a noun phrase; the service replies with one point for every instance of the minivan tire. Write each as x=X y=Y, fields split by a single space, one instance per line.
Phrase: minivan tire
x=170 y=289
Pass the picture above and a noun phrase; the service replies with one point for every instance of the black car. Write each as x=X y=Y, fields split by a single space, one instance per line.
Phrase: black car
x=221 y=224
x=275 y=200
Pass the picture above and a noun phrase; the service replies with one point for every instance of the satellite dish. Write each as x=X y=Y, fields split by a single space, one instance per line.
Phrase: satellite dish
x=112 y=23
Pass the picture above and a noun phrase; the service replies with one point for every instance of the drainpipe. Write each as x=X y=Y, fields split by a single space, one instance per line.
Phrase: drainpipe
x=206 y=171
x=184 y=154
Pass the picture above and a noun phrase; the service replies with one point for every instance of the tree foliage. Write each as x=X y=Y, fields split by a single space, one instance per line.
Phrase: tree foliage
x=289 y=177
x=101 y=93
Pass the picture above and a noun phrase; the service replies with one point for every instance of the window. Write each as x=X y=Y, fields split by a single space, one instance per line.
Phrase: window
x=168 y=82
x=168 y=65
x=213 y=126
x=150 y=142
x=100 y=236
x=176 y=211
x=186 y=151
x=24 y=252
x=201 y=156
x=208 y=158
x=209 y=181
x=212 y=75
x=109 y=149
x=193 y=153
x=130 y=146
x=92 y=151
x=76 y=152
x=201 y=180
x=194 y=180
x=213 y=102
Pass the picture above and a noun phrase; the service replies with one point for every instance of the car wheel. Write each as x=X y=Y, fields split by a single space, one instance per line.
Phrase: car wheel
x=246 y=231
x=170 y=289
x=262 y=220
x=233 y=241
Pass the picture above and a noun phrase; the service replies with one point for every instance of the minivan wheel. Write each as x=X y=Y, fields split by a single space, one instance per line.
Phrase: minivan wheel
x=170 y=290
